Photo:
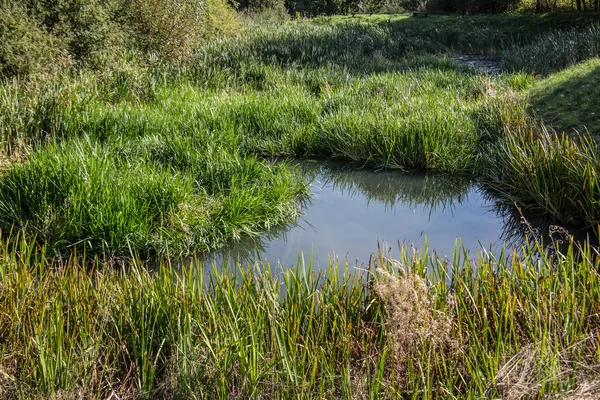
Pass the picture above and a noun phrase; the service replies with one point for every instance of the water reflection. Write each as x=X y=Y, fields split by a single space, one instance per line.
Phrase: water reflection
x=521 y=226
x=388 y=188
x=354 y=211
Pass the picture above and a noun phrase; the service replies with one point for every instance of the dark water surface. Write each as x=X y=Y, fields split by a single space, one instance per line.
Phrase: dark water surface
x=353 y=211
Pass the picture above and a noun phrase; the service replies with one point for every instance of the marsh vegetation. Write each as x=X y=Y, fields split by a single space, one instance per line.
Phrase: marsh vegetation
x=192 y=139
x=140 y=144
x=465 y=326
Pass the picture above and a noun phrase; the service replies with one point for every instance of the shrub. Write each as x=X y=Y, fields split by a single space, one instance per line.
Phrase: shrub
x=25 y=47
x=219 y=19
x=93 y=31
x=169 y=28
x=96 y=33
x=173 y=30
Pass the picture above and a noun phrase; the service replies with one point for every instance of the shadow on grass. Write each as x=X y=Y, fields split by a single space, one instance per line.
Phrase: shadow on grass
x=359 y=43
x=568 y=101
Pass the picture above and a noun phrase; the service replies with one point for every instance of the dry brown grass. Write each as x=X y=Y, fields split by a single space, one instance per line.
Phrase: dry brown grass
x=412 y=322
x=534 y=366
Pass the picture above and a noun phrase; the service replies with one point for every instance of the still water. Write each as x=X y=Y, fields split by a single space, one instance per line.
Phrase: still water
x=353 y=212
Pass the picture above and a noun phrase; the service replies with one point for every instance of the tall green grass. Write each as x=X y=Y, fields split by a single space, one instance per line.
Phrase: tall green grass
x=416 y=119
x=360 y=44
x=548 y=173
x=171 y=198
x=470 y=326
x=554 y=51
x=127 y=160
x=369 y=94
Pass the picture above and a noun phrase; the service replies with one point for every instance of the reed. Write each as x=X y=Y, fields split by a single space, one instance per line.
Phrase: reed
x=467 y=326
x=547 y=173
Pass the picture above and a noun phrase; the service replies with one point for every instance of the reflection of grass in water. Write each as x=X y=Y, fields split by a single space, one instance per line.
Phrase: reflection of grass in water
x=391 y=187
x=252 y=249
x=519 y=227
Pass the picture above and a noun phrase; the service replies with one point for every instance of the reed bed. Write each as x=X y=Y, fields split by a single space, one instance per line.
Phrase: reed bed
x=468 y=326
x=102 y=171
x=360 y=43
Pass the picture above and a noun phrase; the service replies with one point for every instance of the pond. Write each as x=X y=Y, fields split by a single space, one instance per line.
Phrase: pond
x=353 y=212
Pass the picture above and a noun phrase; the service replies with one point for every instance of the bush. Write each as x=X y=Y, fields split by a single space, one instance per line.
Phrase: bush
x=25 y=47
x=264 y=11
x=219 y=19
x=168 y=28
x=34 y=34
x=92 y=30
x=173 y=30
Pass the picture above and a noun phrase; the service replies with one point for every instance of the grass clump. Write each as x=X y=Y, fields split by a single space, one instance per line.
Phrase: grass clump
x=548 y=173
x=554 y=51
x=468 y=326
x=80 y=193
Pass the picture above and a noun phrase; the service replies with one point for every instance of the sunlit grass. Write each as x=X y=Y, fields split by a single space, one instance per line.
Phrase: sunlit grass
x=568 y=100
x=161 y=196
x=468 y=326
x=381 y=94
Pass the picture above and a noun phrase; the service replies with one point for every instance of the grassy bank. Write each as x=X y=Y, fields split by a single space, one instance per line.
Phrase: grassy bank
x=567 y=100
x=467 y=327
x=182 y=149
x=170 y=199
x=73 y=138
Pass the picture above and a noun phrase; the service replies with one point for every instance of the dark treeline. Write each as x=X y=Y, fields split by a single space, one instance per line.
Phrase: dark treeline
x=40 y=36
x=496 y=6
x=311 y=8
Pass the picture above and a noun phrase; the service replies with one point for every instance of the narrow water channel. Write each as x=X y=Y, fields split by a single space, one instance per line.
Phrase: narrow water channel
x=353 y=212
